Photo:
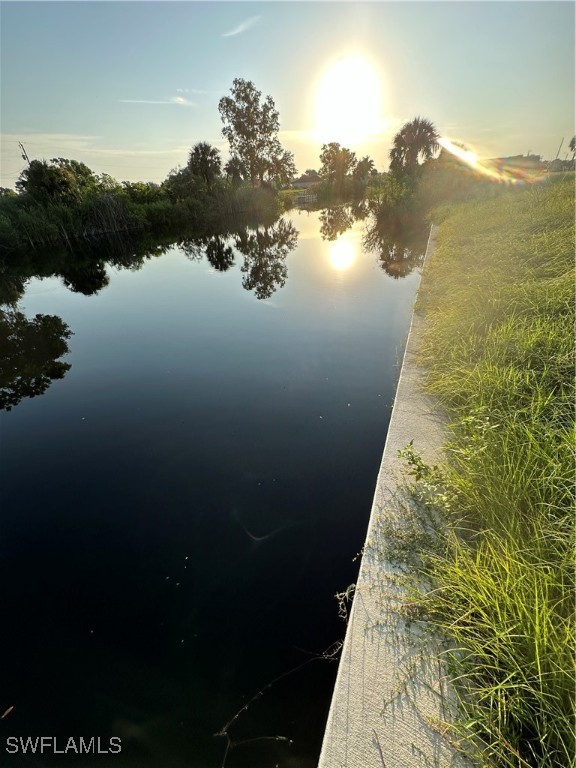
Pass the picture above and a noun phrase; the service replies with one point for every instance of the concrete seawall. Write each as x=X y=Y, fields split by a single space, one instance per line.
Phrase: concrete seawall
x=391 y=692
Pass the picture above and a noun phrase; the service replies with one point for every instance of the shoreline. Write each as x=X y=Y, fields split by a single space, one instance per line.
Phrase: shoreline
x=390 y=691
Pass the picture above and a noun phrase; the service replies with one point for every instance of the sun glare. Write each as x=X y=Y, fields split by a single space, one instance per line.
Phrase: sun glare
x=495 y=170
x=462 y=154
x=348 y=102
x=342 y=254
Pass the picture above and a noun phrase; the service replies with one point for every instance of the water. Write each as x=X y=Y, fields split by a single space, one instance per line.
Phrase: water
x=180 y=505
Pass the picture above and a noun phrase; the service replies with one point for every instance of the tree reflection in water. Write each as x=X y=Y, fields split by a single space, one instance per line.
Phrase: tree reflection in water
x=87 y=278
x=219 y=255
x=399 y=237
x=265 y=251
x=335 y=221
x=29 y=352
x=30 y=349
x=12 y=287
x=398 y=234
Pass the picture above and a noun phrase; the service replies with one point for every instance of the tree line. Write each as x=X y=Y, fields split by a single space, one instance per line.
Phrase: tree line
x=60 y=200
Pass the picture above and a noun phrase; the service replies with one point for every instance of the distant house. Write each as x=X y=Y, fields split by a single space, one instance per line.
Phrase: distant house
x=306 y=180
x=298 y=184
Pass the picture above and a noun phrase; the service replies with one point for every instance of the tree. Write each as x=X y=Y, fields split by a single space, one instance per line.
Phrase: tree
x=572 y=145
x=85 y=179
x=337 y=162
x=58 y=180
x=251 y=127
x=204 y=161
x=107 y=183
x=180 y=184
x=282 y=168
x=143 y=192
x=310 y=175
x=49 y=183
x=235 y=170
x=416 y=140
x=364 y=168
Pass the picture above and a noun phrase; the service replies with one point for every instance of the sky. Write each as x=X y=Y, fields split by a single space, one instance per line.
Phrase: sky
x=129 y=87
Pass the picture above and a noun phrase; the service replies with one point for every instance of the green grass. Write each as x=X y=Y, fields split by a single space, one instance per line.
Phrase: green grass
x=498 y=298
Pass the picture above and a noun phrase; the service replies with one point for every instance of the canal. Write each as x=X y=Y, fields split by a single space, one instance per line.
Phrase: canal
x=187 y=490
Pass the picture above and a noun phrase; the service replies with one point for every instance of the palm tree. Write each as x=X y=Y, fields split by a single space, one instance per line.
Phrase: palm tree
x=364 y=169
x=235 y=170
x=572 y=146
x=416 y=140
x=204 y=161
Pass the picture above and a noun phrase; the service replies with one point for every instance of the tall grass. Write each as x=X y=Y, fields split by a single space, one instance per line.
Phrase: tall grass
x=498 y=298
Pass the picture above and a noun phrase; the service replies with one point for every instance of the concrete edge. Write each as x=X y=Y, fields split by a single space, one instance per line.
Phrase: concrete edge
x=391 y=691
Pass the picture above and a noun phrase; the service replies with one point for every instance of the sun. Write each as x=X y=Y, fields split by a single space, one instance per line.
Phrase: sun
x=348 y=101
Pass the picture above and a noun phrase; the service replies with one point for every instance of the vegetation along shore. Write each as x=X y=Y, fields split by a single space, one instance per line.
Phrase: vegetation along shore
x=498 y=302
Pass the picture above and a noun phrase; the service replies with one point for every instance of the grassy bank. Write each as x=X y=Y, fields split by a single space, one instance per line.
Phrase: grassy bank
x=498 y=300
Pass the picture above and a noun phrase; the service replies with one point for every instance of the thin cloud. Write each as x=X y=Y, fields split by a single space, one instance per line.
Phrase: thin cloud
x=72 y=140
x=242 y=27
x=181 y=100
x=138 y=153
x=134 y=163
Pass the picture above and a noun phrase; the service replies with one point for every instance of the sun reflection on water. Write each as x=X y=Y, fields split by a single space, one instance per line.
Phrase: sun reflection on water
x=342 y=254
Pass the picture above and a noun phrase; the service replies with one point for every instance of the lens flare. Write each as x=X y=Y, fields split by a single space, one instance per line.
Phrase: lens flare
x=497 y=170
x=462 y=154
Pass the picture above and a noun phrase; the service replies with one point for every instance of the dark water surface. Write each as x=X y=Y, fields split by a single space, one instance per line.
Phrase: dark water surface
x=179 y=509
